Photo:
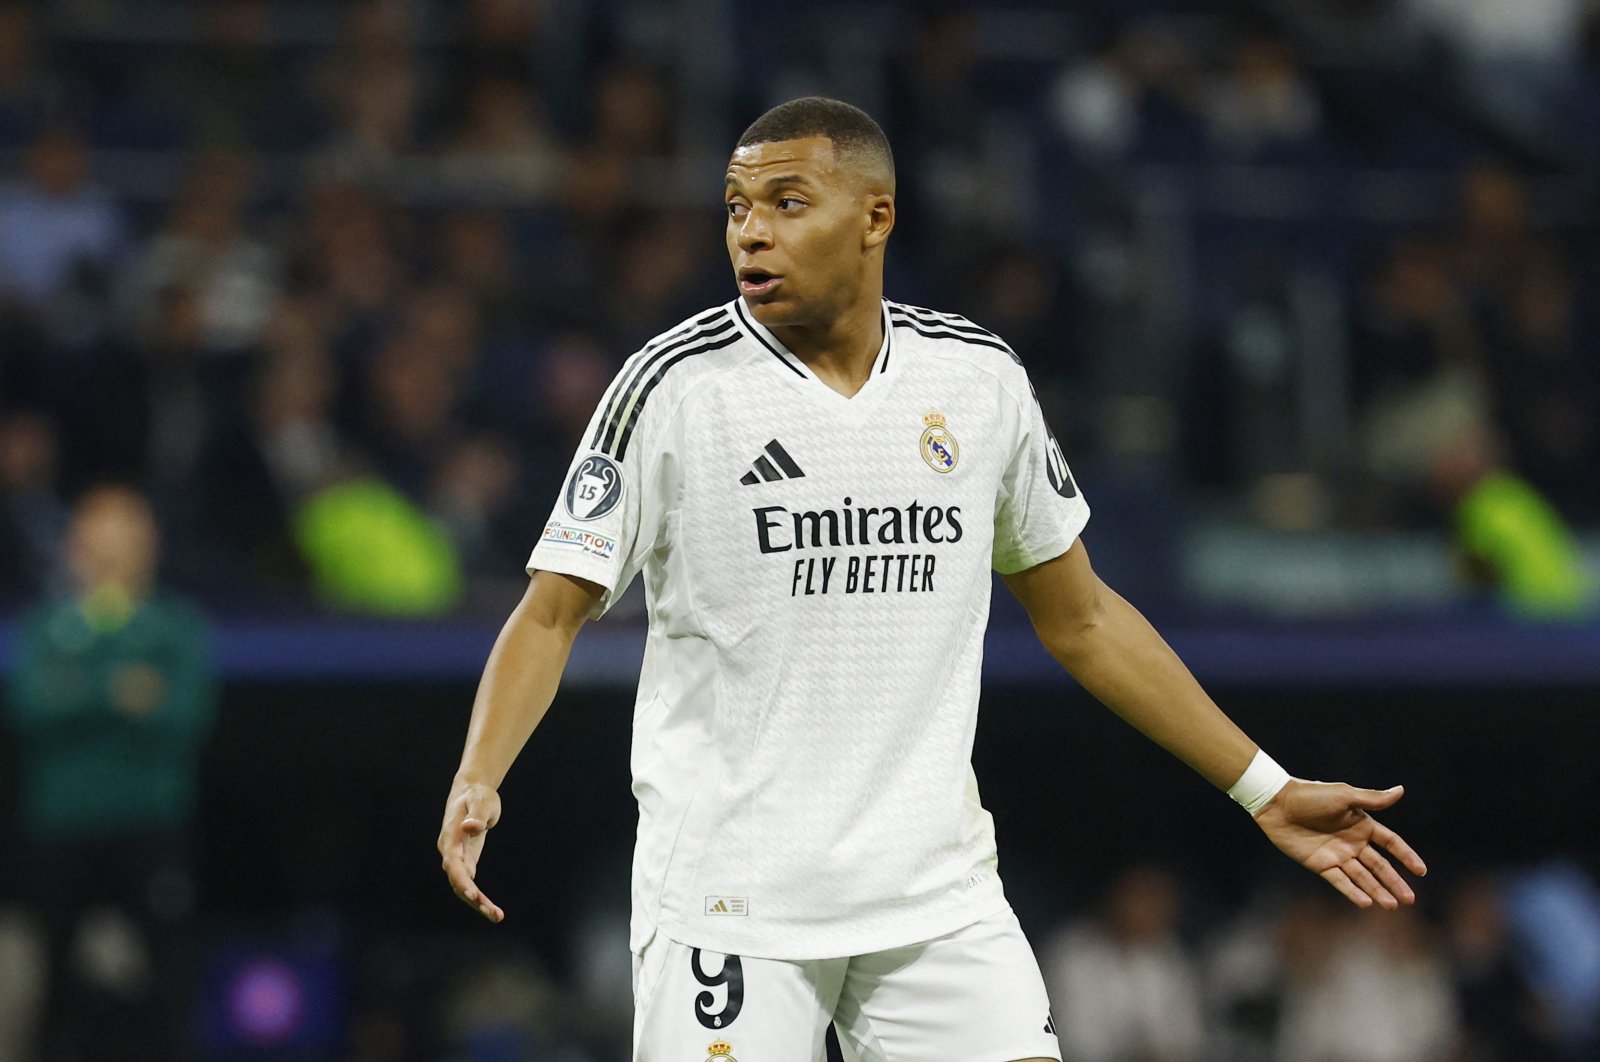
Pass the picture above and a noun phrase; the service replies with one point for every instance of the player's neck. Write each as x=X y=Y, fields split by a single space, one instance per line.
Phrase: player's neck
x=841 y=353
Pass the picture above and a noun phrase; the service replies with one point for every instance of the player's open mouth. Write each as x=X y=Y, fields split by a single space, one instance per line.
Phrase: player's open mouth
x=755 y=282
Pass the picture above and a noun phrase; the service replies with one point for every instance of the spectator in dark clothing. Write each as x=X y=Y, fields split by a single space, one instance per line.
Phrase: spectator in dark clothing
x=55 y=224
x=110 y=698
x=1500 y=1014
x=32 y=517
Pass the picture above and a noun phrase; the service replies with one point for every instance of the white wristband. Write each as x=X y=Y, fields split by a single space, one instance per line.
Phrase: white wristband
x=1259 y=783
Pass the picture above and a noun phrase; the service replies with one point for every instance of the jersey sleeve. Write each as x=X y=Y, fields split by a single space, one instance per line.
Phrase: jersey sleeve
x=605 y=522
x=1040 y=511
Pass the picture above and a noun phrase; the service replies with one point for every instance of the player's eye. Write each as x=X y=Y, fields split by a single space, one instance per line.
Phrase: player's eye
x=791 y=201
x=737 y=210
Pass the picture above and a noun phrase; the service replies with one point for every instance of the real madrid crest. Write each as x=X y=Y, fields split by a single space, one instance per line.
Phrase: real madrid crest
x=939 y=447
x=721 y=1051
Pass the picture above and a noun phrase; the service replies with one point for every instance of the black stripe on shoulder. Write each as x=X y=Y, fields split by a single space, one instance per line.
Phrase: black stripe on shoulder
x=922 y=328
x=939 y=319
x=751 y=328
x=888 y=347
x=607 y=430
x=619 y=386
x=661 y=371
x=707 y=318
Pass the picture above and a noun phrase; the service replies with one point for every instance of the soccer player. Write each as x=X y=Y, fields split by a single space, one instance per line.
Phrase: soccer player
x=816 y=483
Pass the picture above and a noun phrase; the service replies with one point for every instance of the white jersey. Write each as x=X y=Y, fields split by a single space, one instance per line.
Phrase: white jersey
x=817 y=573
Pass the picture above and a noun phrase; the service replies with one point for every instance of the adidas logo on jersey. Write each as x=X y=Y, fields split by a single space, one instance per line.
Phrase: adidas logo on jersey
x=773 y=463
x=738 y=906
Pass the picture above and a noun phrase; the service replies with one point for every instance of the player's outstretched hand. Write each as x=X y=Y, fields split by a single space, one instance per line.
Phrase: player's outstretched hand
x=1326 y=826
x=469 y=814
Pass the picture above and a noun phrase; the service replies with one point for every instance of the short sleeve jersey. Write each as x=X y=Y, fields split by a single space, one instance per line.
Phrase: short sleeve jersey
x=817 y=578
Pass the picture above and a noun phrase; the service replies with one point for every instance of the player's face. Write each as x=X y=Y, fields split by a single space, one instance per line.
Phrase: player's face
x=798 y=225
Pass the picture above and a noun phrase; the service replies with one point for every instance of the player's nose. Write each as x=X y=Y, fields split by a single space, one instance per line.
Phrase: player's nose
x=753 y=234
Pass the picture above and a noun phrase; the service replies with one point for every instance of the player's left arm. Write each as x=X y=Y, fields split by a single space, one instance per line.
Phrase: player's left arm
x=1116 y=655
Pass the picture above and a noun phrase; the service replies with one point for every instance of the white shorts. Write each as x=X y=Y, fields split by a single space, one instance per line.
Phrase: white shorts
x=974 y=995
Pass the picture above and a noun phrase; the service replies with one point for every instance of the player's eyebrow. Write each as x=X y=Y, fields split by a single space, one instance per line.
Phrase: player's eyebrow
x=772 y=182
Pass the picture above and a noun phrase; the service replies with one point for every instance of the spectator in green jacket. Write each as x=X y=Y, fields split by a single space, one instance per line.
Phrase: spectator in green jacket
x=111 y=696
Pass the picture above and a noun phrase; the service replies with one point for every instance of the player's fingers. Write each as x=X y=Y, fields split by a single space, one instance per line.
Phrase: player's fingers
x=1373 y=860
x=1336 y=877
x=455 y=869
x=459 y=822
x=1396 y=846
x=466 y=845
x=469 y=852
x=1363 y=879
x=461 y=880
x=1375 y=799
x=485 y=906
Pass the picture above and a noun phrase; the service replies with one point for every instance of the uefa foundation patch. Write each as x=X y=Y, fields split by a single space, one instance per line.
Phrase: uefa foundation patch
x=593 y=543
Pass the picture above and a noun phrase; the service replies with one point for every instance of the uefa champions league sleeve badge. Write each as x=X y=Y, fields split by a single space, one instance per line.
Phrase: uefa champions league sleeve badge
x=594 y=488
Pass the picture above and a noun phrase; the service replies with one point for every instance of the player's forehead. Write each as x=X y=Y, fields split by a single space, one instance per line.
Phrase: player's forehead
x=812 y=158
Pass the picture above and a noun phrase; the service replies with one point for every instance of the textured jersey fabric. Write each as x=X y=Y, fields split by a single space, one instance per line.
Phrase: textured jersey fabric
x=817 y=573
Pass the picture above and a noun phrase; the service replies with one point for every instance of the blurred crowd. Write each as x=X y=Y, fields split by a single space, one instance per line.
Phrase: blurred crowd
x=340 y=283
x=1300 y=977
x=1505 y=967
x=1294 y=974
x=1157 y=973
x=336 y=286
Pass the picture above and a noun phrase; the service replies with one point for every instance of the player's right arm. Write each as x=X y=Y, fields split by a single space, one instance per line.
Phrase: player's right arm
x=519 y=681
x=610 y=517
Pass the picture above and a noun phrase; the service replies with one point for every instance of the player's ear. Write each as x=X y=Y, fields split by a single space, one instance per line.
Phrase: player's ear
x=880 y=220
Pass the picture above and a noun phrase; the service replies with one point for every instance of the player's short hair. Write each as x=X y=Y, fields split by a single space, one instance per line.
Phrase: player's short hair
x=851 y=129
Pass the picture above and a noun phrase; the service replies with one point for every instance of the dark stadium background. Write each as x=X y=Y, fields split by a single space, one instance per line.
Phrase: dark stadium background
x=1308 y=288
